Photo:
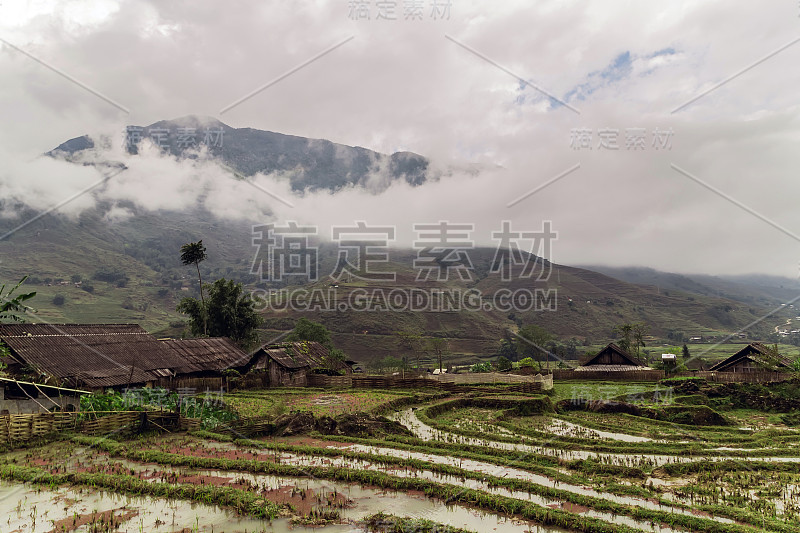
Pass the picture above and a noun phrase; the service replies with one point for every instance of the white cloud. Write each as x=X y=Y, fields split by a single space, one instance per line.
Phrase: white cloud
x=402 y=85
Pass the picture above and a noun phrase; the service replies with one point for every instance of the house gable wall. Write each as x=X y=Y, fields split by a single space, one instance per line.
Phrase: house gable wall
x=19 y=406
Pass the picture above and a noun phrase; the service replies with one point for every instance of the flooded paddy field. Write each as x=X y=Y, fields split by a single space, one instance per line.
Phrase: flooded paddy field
x=32 y=510
x=496 y=466
x=28 y=509
x=295 y=493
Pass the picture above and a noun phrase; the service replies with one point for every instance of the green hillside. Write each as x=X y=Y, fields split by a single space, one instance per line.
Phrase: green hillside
x=91 y=269
x=133 y=271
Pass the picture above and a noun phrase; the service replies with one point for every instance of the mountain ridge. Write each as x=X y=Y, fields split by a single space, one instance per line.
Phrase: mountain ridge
x=128 y=270
x=312 y=164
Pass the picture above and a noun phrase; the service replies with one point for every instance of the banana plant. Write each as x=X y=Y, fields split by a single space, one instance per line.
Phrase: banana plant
x=10 y=305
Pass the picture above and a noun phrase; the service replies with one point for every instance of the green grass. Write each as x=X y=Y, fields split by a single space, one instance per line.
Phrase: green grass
x=707 y=351
x=318 y=402
x=600 y=390
x=743 y=490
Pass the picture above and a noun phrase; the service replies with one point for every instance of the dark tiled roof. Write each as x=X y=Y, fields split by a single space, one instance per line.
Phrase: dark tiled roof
x=207 y=354
x=99 y=355
x=757 y=353
x=613 y=351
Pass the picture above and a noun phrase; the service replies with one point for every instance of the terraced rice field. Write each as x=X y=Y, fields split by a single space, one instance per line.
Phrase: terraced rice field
x=475 y=462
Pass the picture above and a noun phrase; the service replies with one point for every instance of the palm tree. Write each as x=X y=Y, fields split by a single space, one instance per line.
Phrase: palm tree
x=194 y=253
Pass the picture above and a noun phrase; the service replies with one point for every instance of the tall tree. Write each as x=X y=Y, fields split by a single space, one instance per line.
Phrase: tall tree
x=508 y=349
x=626 y=332
x=771 y=358
x=439 y=348
x=632 y=337
x=412 y=341
x=531 y=341
x=228 y=312
x=307 y=330
x=194 y=253
x=640 y=330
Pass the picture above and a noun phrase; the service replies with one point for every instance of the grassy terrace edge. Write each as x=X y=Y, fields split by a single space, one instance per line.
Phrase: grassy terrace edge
x=242 y=501
x=427 y=416
x=503 y=504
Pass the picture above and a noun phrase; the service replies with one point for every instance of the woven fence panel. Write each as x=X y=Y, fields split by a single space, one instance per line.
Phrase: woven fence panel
x=602 y=375
x=739 y=377
x=319 y=380
x=112 y=423
x=24 y=427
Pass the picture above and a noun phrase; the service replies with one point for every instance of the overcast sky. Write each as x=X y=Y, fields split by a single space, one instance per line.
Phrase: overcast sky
x=717 y=193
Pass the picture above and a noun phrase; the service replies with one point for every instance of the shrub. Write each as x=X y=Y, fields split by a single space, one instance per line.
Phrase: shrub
x=58 y=299
x=481 y=367
x=109 y=276
x=503 y=363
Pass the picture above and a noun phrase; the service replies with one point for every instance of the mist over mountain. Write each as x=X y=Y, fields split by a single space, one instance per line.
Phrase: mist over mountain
x=182 y=180
x=757 y=289
x=308 y=164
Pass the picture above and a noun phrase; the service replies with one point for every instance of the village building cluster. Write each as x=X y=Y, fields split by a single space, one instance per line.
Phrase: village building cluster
x=49 y=366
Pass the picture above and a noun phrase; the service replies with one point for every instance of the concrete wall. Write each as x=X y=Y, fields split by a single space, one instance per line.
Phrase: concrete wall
x=28 y=406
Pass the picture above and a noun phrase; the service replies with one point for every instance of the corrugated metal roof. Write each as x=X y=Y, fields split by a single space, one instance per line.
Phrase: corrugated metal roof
x=304 y=354
x=97 y=354
x=214 y=354
x=111 y=378
x=42 y=386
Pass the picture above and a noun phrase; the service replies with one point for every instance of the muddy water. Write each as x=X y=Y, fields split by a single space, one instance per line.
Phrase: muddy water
x=423 y=431
x=272 y=481
x=477 y=467
x=24 y=509
x=368 y=501
x=20 y=503
x=570 y=429
x=302 y=460
x=409 y=419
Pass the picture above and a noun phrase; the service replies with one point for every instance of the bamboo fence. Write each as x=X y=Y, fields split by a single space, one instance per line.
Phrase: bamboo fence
x=25 y=427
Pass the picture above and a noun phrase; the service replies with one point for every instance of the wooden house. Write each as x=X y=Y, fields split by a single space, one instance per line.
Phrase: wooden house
x=98 y=356
x=200 y=363
x=289 y=364
x=755 y=357
x=612 y=358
